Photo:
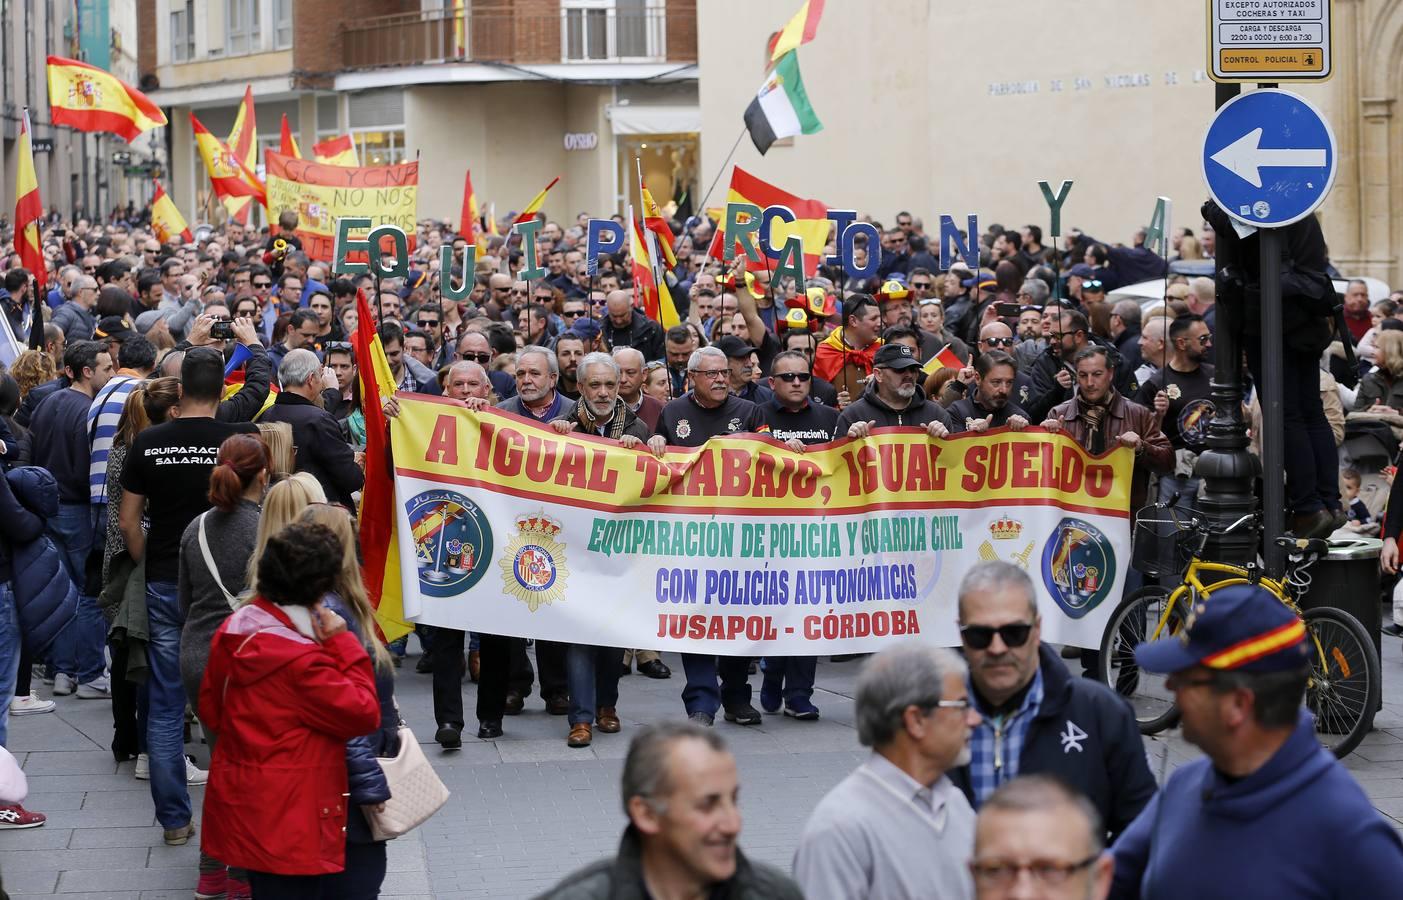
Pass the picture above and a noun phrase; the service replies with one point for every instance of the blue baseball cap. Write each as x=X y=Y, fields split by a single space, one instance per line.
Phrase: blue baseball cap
x=1081 y=270
x=1241 y=628
x=585 y=329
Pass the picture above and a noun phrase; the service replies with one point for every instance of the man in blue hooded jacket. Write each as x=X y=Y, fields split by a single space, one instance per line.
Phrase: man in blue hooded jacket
x=1267 y=812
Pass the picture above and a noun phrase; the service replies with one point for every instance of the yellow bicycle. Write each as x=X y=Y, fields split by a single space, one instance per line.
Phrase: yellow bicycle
x=1345 y=684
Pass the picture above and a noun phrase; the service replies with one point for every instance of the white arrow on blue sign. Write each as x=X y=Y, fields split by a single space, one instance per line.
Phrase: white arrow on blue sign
x=1269 y=158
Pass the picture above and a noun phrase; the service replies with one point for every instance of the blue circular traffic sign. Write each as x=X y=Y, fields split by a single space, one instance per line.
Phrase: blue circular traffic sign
x=1269 y=158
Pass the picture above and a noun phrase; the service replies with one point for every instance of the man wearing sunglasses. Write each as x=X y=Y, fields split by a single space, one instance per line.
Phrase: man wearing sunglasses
x=1035 y=716
x=893 y=398
x=897 y=826
x=799 y=423
x=1180 y=393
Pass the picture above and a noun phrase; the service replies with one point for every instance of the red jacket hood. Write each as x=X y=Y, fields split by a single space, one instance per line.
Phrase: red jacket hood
x=282 y=642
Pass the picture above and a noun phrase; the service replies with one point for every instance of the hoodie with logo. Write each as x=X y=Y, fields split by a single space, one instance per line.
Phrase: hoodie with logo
x=1298 y=828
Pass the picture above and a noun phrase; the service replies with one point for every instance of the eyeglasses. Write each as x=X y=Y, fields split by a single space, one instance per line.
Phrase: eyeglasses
x=1205 y=339
x=949 y=704
x=483 y=358
x=1093 y=284
x=801 y=377
x=572 y=313
x=427 y=323
x=997 y=342
x=713 y=374
x=262 y=284
x=515 y=293
x=979 y=637
x=338 y=345
x=1004 y=872
x=922 y=286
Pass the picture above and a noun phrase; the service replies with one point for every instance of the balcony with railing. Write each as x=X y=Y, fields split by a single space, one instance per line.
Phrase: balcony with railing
x=588 y=34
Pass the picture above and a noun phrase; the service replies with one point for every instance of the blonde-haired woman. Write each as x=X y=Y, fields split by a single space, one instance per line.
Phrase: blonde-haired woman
x=365 y=856
x=278 y=437
x=282 y=505
x=1383 y=384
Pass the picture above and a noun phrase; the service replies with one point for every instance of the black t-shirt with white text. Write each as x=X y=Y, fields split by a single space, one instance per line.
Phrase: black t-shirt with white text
x=811 y=425
x=170 y=465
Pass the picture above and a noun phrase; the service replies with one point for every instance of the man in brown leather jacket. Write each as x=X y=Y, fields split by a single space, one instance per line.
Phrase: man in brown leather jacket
x=1100 y=419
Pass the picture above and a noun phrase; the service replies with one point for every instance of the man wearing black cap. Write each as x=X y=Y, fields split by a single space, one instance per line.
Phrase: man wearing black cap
x=1267 y=811
x=893 y=398
x=740 y=357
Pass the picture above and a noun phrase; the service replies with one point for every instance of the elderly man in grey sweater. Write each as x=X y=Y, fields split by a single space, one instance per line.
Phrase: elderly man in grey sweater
x=897 y=828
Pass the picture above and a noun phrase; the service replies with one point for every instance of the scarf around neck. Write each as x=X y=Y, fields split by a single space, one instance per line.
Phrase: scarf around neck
x=617 y=419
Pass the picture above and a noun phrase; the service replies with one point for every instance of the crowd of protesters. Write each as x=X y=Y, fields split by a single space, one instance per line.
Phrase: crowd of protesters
x=184 y=446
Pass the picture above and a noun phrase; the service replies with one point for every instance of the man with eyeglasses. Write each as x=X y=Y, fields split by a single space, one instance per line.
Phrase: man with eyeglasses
x=1266 y=811
x=1037 y=838
x=1054 y=373
x=897 y=827
x=1031 y=705
x=1181 y=394
x=711 y=410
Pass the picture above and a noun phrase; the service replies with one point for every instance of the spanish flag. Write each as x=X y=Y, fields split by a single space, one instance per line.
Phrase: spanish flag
x=798 y=31
x=89 y=99
x=536 y=203
x=379 y=545
x=653 y=220
x=467 y=224
x=810 y=217
x=228 y=174
x=166 y=220
x=650 y=292
x=337 y=151
x=944 y=359
x=287 y=144
x=243 y=143
x=29 y=209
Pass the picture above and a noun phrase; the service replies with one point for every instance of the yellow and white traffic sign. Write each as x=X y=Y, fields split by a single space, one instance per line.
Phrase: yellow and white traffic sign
x=1269 y=40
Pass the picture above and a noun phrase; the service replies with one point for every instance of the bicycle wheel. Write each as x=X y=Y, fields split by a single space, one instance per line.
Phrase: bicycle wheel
x=1134 y=621
x=1345 y=681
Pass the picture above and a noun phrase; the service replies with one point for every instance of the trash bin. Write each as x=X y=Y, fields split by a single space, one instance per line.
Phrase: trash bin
x=1348 y=579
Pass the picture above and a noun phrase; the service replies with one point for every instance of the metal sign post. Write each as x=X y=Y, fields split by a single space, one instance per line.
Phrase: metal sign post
x=1269 y=159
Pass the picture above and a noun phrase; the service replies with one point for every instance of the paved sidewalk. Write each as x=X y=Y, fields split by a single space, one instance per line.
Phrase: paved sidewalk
x=525 y=809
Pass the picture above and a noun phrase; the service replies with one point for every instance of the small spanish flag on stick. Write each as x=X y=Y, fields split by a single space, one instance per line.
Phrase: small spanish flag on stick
x=945 y=359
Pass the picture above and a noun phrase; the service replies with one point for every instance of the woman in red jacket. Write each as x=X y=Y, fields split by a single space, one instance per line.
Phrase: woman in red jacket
x=286 y=687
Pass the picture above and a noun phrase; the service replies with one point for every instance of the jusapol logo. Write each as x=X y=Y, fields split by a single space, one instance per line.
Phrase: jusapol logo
x=452 y=542
x=1078 y=566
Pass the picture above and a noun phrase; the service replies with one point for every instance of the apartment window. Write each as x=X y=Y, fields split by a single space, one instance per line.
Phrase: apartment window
x=242 y=26
x=183 y=32
x=282 y=12
x=612 y=29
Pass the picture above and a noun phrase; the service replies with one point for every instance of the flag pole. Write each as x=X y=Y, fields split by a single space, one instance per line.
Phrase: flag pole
x=726 y=162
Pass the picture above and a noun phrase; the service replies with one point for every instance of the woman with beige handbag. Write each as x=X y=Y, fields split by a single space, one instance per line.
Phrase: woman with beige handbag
x=386 y=797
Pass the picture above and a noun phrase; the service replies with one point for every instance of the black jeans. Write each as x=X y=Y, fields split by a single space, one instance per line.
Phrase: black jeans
x=267 y=886
x=364 y=873
x=1312 y=463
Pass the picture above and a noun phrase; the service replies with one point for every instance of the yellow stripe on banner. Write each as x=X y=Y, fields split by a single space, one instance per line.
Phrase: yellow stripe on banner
x=1257 y=647
x=893 y=470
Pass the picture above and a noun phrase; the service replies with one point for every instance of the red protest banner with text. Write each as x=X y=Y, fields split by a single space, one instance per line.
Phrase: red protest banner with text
x=320 y=194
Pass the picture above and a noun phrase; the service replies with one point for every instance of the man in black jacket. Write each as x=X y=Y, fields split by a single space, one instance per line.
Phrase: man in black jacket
x=628 y=327
x=1054 y=374
x=1036 y=716
x=989 y=403
x=321 y=451
x=893 y=398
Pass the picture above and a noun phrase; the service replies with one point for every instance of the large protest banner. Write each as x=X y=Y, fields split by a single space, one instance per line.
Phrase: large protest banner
x=320 y=194
x=743 y=547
